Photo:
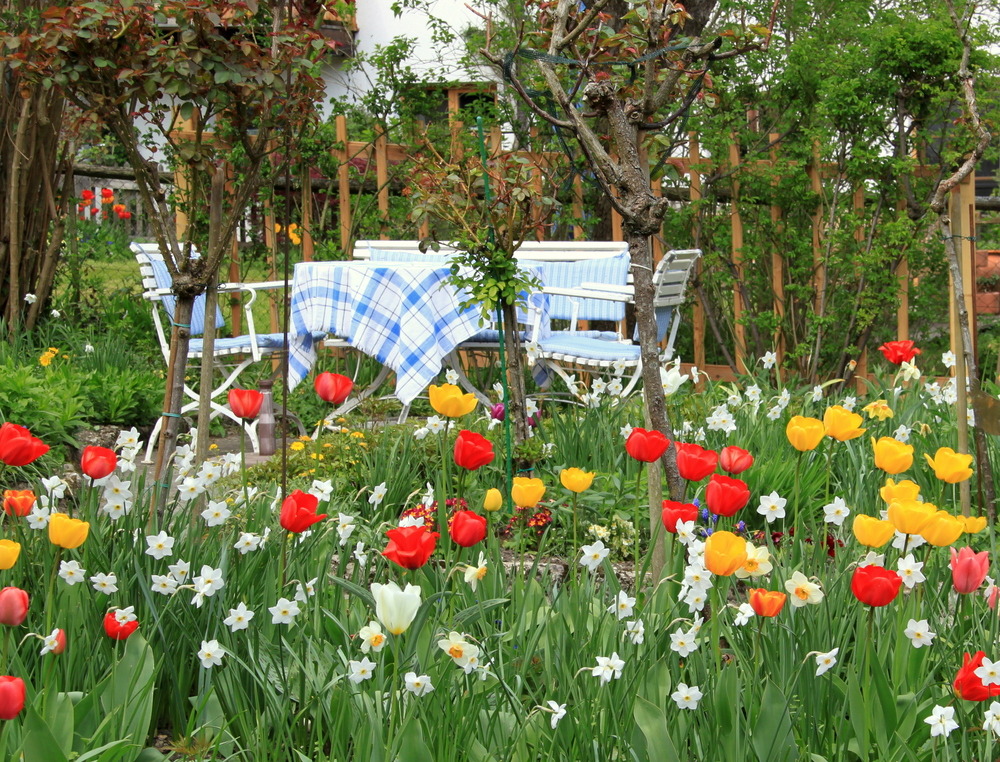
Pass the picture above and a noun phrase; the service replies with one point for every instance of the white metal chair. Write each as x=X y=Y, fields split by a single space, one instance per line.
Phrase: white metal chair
x=597 y=351
x=232 y=355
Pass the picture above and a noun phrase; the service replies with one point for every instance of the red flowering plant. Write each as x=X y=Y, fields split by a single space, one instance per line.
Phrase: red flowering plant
x=898 y=352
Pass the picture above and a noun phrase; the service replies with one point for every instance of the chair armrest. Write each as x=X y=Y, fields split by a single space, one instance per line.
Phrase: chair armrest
x=587 y=293
x=628 y=291
x=267 y=285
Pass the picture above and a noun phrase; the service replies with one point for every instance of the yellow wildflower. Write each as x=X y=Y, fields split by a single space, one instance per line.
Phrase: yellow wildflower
x=878 y=409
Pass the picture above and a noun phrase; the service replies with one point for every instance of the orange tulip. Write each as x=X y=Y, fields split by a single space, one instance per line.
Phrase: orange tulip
x=767 y=602
x=725 y=552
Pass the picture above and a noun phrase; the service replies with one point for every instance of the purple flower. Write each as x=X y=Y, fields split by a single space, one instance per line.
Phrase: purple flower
x=497 y=412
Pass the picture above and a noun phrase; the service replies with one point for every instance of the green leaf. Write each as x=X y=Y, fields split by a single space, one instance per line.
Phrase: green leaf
x=39 y=744
x=772 y=737
x=653 y=724
x=412 y=747
x=859 y=716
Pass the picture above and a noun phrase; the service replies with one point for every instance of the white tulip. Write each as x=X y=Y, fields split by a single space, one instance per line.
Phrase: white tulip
x=396 y=608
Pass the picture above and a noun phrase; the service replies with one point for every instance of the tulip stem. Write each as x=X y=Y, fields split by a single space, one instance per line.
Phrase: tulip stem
x=797 y=526
x=638 y=514
x=576 y=543
x=716 y=614
x=50 y=603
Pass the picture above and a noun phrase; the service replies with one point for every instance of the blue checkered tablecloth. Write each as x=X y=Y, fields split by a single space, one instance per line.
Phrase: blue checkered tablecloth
x=405 y=315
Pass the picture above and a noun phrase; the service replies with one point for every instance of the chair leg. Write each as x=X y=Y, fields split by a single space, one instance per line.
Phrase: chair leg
x=452 y=361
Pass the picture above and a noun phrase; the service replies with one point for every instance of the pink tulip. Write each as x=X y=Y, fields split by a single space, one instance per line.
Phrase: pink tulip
x=968 y=569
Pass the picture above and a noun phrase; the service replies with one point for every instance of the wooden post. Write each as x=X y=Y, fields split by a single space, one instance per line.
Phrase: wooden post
x=737 y=252
x=903 y=281
x=382 y=181
x=698 y=318
x=777 y=261
x=343 y=186
x=307 y=204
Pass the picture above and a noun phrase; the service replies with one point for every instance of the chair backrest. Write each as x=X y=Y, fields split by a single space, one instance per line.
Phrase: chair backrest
x=546 y=251
x=611 y=271
x=391 y=255
x=156 y=276
x=672 y=275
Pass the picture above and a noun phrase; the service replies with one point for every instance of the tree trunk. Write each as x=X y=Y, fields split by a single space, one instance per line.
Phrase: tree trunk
x=517 y=404
x=652 y=386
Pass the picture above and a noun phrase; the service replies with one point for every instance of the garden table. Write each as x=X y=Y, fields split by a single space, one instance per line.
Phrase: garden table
x=406 y=315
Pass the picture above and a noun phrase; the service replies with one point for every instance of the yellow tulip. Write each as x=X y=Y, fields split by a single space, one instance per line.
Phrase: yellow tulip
x=493 y=500
x=449 y=401
x=804 y=433
x=9 y=551
x=871 y=531
x=878 y=409
x=901 y=490
x=527 y=492
x=891 y=455
x=66 y=532
x=842 y=424
x=973 y=524
x=950 y=466
x=576 y=479
x=909 y=516
x=943 y=529
x=725 y=553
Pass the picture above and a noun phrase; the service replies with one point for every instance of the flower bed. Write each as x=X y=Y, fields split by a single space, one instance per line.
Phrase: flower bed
x=819 y=594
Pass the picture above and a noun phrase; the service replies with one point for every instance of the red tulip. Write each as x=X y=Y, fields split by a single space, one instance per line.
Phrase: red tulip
x=87 y=195
x=472 y=450
x=968 y=685
x=724 y=496
x=646 y=446
x=18 y=502
x=13 y=606
x=674 y=512
x=298 y=512
x=98 y=462
x=245 y=403
x=12 y=695
x=467 y=528
x=694 y=462
x=333 y=387
x=117 y=630
x=735 y=460
x=18 y=447
x=969 y=569
x=410 y=547
x=874 y=585
x=898 y=352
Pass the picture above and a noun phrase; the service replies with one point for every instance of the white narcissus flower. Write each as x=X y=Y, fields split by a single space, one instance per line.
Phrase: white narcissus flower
x=284 y=611
x=378 y=494
x=160 y=545
x=239 y=618
x=772 y=507
x=593 y=555
x=635 y=631
x=919 y=633
x=473 y=574
x=836 y=511
x=372 y=638
x=989 y=672
x=942 y=721
x=345 y=528
x=908 y=371
x=105 y=583
x=817 y=393
x=51 y=642
x=451 y=376
x=125 y=615
x=608 y=668
x=459 y=649
x=247 y=542
x=910 y=570
x=395 y=608
x=623 y=605
x=686 y=697
x=802 y=590
x=558 y=712
x=992 y=720
x=180 y=571
x=360 y=670
x=758 y=562
x=683 y=642
x=826 y=661
x=625 y=431
x=418 y=685
x=769 y=359
x=211 y=653
x=744 y=614
x=948 y=358
x=216 y=513
x=30 y=298
x=164 y=584
x=872 y=558
x=71 y=572
x=671 y=379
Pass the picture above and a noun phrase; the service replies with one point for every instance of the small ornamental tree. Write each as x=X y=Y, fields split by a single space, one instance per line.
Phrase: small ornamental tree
x=485 y=206
x=609 y=83
x=235 y=75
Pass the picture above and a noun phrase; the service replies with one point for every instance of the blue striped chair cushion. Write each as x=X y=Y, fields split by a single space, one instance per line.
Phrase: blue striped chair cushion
x=612 y=271
x=589 y=348
x=385 y=255
x=163 y=280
